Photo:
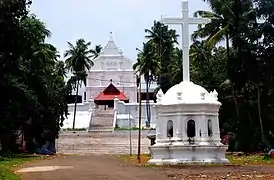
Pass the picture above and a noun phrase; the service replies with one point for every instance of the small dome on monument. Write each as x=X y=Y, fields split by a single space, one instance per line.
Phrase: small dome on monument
x=188 y=92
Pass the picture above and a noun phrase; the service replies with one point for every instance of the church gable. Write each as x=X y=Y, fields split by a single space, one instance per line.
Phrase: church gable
x=111 y=49
x=111 y=58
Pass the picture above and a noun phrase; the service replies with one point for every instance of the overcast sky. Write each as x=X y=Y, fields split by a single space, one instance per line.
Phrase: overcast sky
x=93 y=20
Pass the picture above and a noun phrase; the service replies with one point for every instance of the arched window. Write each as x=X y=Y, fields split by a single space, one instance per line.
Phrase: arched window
x=170 y=128
x=191 y=130
x=209 y=128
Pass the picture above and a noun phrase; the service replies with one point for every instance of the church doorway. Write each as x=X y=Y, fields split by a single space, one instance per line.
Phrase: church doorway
x=106 y=98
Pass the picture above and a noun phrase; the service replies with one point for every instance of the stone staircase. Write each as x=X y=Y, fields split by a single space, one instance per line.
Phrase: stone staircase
x=102 y=121
x=85 y=143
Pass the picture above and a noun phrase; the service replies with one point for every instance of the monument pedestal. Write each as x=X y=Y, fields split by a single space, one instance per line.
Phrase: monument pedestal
x=187 y=154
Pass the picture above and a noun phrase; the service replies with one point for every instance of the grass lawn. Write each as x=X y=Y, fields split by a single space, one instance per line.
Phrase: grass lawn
x=254 y=159
x=7 y=163
x=75 y=130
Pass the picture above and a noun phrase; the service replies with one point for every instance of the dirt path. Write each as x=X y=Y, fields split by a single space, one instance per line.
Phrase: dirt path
x=91 y=168
x=111 y=168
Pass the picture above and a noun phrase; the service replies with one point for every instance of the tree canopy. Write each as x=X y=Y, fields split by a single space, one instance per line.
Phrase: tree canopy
x=32 y=87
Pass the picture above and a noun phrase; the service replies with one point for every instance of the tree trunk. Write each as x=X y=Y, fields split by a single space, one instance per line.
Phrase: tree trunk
x=248 y=106
x=3 y=144
x=259 y=113
x=227 y=46
x=75 y=104
x=8 y=144
x=147 y=103
x=235 y=101
x=233 y=86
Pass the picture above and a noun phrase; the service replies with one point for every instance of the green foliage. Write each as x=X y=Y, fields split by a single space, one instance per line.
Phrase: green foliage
x=32 y=87
x=75 y=129
x=79 y=60
x=148 y=65
x=164 y=40
x=9 y=162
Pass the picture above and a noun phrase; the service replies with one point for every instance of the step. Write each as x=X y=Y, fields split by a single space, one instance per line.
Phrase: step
x=101 y=120
x=101 y=130
x=103 y=115
x=99 y=126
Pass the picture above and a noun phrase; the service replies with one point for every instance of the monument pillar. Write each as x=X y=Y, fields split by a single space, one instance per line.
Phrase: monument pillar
x=116 y=101
x=91 y=104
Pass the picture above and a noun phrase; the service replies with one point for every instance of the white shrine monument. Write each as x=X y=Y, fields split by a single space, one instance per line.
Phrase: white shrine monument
x=187 y=128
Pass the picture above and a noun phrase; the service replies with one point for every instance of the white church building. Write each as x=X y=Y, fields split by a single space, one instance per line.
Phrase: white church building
x=111 y=67
x=112 y=76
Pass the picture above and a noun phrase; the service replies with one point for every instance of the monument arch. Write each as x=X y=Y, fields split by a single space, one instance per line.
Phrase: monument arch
x=170 y=128
x=209 y=128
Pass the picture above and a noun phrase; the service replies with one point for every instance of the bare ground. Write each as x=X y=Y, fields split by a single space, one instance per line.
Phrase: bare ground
x=92 y=164
x=96 y=167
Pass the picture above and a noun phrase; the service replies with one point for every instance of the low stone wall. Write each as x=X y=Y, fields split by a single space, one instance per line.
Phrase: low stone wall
x=133 y=109
x=80 y=107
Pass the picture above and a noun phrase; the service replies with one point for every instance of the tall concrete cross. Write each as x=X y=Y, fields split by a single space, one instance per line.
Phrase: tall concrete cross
x=185 y=21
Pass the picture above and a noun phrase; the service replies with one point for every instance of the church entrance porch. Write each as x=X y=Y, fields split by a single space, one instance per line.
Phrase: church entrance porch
x=106 y=98
x=107 y=104
x=104 y=104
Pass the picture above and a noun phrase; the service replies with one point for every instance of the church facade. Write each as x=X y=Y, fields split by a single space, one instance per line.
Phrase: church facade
x=112 y=77
x=111 y=67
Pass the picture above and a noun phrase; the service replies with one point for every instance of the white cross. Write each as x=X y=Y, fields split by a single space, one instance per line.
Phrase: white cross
x=185 y=21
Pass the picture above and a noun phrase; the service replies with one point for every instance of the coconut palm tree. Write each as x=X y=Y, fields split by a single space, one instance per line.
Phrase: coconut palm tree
x=175 y=67
x=215 y=31
x=96 y=51
x=147 y=64
x=224 y=18
x=79 y=59
x=230 y=19
x=164 y=40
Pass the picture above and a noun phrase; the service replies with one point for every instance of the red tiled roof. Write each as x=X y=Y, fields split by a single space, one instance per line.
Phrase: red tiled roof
x=107 y=97
x=110 y=93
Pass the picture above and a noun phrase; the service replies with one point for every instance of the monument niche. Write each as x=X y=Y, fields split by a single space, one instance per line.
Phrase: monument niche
x=187 y=129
